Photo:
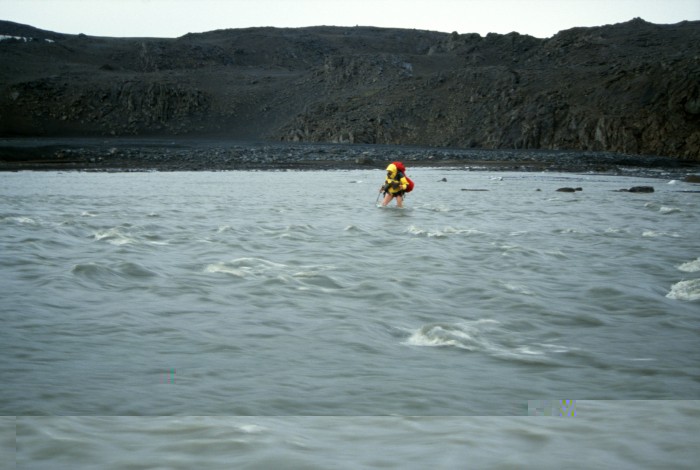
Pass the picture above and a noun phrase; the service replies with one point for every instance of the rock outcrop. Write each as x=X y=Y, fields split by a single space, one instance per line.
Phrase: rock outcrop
x=631 y=88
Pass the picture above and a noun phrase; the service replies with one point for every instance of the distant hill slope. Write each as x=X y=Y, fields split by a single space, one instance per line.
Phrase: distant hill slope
x=632 y=87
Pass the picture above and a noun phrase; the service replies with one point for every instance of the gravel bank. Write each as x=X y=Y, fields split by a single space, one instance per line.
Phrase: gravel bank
x=219 y=155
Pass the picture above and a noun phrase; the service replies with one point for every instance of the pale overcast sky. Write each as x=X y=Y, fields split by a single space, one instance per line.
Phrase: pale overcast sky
x=173 y=18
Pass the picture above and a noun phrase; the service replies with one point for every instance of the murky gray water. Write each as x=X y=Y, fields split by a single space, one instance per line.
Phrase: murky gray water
x=271 y=294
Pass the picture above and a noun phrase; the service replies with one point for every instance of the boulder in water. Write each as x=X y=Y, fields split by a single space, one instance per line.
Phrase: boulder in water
x=569 y=190
x=641 y=189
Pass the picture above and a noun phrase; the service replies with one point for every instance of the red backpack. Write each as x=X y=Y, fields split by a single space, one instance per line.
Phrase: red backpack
x=400 y=166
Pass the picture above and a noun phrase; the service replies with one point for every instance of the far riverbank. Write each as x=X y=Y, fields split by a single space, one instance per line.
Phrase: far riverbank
x=178 y=154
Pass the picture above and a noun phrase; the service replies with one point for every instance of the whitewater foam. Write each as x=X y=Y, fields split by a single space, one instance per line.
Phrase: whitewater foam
x=685 y=290
x=484 y=335
x=114 y=236
x=441 y=233
x=690 y=266
x=668 y=210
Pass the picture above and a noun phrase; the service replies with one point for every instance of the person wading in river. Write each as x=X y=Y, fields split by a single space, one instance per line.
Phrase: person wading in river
x=396 y=184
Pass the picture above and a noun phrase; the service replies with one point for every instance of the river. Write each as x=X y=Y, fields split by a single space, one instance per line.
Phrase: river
x=280 y=319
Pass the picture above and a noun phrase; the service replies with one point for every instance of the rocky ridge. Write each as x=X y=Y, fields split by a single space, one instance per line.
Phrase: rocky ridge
x=630 y=88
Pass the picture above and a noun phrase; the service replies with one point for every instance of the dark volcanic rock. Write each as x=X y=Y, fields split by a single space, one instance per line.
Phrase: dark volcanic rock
x=182 y=153
x=569 y=190
x=628 y=88
x=641 y=189
x=638 y=189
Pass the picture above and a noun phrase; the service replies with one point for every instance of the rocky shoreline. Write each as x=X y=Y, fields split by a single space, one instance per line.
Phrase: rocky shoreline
x=140 y=154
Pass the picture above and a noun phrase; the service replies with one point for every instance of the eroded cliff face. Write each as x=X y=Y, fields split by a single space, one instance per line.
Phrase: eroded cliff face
x=126 y=106
x=630 y=88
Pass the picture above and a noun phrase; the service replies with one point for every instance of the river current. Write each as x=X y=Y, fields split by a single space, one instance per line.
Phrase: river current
x=280 y=319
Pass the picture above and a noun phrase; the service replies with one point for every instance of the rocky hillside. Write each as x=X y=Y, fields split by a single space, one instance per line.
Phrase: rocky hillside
x=631 y=88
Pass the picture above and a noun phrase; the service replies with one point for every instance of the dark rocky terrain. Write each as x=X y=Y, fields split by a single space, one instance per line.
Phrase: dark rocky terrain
x=626 y=89
x=192 y=154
